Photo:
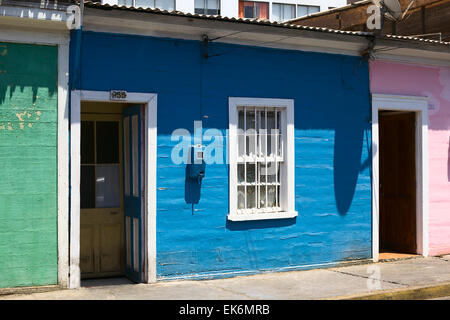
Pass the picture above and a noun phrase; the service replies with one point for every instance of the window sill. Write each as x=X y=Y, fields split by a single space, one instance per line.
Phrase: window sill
x=261 y=216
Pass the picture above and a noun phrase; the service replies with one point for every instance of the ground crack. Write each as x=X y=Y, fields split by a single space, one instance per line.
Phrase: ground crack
x=367 y=277
x=232 y=291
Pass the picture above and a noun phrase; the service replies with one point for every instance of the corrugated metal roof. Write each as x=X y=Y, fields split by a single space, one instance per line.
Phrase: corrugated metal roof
x=99 y=5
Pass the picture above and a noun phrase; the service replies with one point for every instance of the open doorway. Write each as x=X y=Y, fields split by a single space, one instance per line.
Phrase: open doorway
x=111 y=201
x=397 y=184
x=139 y=267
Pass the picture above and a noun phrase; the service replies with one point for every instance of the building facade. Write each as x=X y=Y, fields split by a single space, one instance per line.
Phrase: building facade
x=34 y=70
x=433 y=83
x=197 y=147
x=271 y=10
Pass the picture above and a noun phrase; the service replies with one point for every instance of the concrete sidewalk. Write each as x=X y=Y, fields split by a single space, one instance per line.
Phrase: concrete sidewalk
x=342 y=282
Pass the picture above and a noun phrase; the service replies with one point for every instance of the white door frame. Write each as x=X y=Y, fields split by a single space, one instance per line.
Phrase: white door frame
x=419 y=105
x=149 y=100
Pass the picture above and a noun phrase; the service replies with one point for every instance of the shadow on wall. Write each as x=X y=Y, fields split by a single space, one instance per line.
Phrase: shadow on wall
x=342 y=118
x=348 y=148
x=15 y=75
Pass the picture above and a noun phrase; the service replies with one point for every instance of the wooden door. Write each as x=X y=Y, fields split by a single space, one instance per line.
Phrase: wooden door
x=132 y=155
x=101 y=223
x=397 y=181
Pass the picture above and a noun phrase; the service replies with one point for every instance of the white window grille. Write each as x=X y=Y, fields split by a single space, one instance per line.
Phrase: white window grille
x=261 y=159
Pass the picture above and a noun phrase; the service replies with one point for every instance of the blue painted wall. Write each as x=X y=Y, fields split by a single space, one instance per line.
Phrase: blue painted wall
x=332 y=144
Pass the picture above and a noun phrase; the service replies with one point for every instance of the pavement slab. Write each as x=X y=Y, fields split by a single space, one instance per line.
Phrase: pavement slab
x=292 y=285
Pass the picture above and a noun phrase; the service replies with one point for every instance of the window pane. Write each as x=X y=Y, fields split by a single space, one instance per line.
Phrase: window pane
x=249 y=10
x=262 y=10
x=279 y=138
x=212 y=4
x=241 y=140
x=241 y=120
x=165 y=4
x=271 y=196
x=142 y=3
x=251 y=197
x=135 y=154
x=87 y=142
x=126 y=2
x=126 y=154
x=199 y=4
x=262 y=172
x=272 y=171
x=250 y=172
x=262 y=197
x=270 y=132
x=313 y=9
x=213 y=12
x=302 y=11
x=241 y=197
x=251 y=142
x=276 y=12
x=283 y=12
x=250 y=119
x=108 y=186
x=251 y=133
x=288 y=12
x=87 y=186
x=241 y=173
x=107 y=136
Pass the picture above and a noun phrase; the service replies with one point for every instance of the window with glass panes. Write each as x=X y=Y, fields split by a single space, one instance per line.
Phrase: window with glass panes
x=210 y=7
x=282 y=12
x=260 y=157
x=100 y=164
x=303 y=10
x=253 y=10
x=168 y=5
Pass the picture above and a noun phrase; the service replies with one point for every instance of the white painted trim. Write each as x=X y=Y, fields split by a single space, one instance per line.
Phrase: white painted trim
x=262 y=216
x=33 y=13
x=419 y=105
x=61 y=40
x=30 y=36
x=75 y=171
x=150 y=102
x=63 y=165
x=289 y=176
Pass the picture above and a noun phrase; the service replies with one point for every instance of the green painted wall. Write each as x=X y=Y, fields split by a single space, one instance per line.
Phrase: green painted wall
x=28 y=165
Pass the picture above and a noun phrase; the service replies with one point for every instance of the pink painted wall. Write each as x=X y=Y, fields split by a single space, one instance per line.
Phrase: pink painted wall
x=433 y=82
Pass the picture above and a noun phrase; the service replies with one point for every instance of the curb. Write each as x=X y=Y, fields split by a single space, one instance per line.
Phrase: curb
x=411 y=293
x=28 y=290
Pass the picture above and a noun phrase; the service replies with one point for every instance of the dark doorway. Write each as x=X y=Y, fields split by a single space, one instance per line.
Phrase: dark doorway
x=397 y=147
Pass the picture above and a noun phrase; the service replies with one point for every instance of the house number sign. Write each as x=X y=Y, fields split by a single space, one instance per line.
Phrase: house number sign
x=118 y=95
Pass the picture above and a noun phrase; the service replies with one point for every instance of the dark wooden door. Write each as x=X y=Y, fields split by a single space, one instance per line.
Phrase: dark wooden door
x=397 y=181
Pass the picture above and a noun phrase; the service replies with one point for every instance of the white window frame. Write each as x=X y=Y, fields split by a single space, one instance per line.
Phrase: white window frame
x=287 y=175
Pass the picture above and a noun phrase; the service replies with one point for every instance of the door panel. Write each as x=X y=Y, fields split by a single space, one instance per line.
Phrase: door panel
x=397 y=182
x=132 y=135
x=102 y=238
x=87 y=257
x=110 y=261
